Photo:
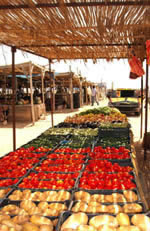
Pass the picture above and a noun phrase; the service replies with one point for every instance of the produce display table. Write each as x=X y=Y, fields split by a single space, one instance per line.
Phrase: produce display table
x=71 y=179
x=23 y=112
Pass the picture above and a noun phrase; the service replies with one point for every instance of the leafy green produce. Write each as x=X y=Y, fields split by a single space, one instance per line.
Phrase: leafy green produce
x=100 y=110
x=77 y=141
x=49 y=141
x=113 y=142
x=108 y=125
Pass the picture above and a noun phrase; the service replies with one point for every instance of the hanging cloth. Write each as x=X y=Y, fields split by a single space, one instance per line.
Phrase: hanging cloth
x=148 y=51
x=136 y=68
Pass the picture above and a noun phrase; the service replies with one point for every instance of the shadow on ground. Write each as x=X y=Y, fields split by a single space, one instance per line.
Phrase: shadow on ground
x=18 y=125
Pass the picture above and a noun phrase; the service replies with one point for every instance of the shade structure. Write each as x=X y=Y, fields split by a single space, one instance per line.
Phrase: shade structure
x=76 y=29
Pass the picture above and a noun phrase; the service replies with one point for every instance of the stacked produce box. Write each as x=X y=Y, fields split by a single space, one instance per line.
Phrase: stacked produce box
x=77 y=176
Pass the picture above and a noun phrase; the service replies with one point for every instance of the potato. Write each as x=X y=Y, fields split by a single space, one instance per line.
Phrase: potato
x=58 y=206
x=123 y=219
x=39 y=220
x=4 y=228
x=43 y=205
x=12 y=224
x=9 y=223
x=34 y=211
x=74 y=221
x=106 y=228
x=10 y=208
x=12 y=229
x=28 y=226
x=46 y=228
x=103 y=220
x=20 y=219
x=51 y=212
x=4 y=217
x=85 y=228
x=27 y=205
x=128 y=228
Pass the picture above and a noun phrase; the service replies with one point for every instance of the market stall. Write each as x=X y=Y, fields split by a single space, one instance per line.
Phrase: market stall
x=76 y=30
x=68 y=177
x=29 y=107
x=69 y=91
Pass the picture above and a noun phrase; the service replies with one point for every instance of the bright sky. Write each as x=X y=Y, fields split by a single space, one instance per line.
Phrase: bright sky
x=115 y=73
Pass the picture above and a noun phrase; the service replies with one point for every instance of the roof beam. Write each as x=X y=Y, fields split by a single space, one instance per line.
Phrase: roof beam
x=76 y=4
x=79 y=45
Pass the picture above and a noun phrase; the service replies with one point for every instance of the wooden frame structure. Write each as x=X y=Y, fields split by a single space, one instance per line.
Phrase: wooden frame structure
x=27 y=69
x=67 y=82
x=76 y=29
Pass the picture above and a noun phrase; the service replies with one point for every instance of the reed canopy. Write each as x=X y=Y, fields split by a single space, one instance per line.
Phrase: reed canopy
x=76 y=29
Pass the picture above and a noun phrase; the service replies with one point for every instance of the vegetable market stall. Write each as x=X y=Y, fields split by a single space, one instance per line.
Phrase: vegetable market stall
x=71 y=171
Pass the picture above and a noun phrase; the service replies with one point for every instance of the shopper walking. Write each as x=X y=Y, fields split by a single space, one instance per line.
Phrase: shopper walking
x=94 y=93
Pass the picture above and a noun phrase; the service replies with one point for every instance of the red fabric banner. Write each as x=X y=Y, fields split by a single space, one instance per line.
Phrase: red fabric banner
x=148 y=51
x=136 y=67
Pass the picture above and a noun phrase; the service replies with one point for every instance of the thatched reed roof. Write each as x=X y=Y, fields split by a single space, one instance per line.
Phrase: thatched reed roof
x=62 y=79
x=72 y=29
x=22 y=68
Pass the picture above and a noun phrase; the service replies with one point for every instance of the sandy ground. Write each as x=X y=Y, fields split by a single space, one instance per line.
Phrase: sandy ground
x=26 y=132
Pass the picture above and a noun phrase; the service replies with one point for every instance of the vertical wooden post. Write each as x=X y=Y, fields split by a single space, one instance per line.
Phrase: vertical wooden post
x=53 y=93
x=52 y=120
x=80 y=87
x=4 y=92
x=71 y=92
x=26 y=74
x=14 y=97
x=146 y=115
x=141 y=135
x=31 y=93
x=43 y=97
x=86 y=95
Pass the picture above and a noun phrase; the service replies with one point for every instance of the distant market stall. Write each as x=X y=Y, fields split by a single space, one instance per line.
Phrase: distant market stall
x=69 y=90
x=29 y=107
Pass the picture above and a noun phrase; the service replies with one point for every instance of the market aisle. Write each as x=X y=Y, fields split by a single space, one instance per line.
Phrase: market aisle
x=29 y=132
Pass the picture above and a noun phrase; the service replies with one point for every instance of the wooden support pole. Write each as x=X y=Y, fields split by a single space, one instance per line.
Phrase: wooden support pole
x=43 y=97
x=71 y=92
x=14 y=97
x=4 y=92
x=141 y=134
x=27 y=84
x=146 y=115
x=80 y=87
x=31 y=93
x=53 y=93
x=51 y=99
x=86 y=94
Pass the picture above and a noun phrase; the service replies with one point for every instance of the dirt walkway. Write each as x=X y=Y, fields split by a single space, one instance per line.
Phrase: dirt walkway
x=26 y=132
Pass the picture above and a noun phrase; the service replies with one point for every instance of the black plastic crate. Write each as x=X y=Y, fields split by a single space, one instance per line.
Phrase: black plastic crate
x=42 y=191
x=6 y=202
x=114 y=132
x=120 y=204
x=106 y=192
x=70 y=189
x=63 y=217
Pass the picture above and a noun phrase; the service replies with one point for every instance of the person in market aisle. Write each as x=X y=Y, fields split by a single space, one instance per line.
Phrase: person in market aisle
x=48 y=99
x=20 y=93
x=94 y=96
x=89 y=94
